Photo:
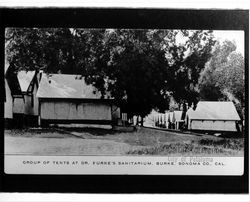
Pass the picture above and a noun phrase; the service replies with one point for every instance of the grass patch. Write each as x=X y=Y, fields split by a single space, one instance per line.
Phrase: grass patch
x=176 y=148
x=211 y=147
x=149 y=137
x=235 y=144
x=141 y=142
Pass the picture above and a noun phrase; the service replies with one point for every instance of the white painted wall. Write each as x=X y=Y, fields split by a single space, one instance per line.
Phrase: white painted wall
x=8 y=105
x=212 y=125
x=73 y=111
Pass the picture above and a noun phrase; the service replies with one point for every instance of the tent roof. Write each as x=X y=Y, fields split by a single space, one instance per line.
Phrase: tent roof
x=66 y=86
x=189 y=112
x=25 y=78
x=214 y=111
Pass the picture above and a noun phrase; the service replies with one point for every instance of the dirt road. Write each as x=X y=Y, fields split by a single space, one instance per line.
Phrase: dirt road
x=108 y=142
x=63 y=146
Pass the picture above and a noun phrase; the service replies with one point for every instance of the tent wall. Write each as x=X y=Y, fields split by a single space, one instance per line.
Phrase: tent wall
x=212 y=125
x=18 y=106
x=29 y=107
x=8 y=105
x=74 y=111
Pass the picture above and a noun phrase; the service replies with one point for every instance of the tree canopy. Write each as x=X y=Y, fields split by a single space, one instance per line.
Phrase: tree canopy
x=223 y=78
x=141 y=69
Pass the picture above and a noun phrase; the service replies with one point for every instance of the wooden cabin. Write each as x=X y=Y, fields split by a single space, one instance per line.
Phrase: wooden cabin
x=213 y=116
x=67 y=99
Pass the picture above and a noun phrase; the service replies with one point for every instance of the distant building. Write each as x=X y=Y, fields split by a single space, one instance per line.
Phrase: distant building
x=67 y=99
x=213 y=116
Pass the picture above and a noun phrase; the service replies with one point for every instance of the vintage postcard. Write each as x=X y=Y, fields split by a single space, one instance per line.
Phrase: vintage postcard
x=124 y=101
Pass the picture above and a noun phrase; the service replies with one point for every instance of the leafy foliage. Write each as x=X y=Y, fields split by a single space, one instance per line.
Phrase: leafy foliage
x=141 y=69
x=35 y=48
x=146 y=67
x=184 y=72
x=223 y=77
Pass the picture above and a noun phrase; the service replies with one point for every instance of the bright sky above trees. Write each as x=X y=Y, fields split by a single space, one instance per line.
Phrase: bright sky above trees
x=237 y=36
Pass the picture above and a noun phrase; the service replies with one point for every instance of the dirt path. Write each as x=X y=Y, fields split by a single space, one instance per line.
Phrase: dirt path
x=144 y=141
x=63 y=146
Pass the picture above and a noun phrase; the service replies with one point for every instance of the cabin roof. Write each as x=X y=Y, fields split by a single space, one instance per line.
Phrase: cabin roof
x=25 y=78
x=66 y=86
x=214 y=111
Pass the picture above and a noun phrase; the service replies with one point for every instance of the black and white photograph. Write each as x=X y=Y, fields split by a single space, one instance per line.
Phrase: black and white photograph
x=86 y=98
x=124 y=92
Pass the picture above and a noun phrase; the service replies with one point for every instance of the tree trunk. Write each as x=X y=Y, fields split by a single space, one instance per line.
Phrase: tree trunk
x=184 y=111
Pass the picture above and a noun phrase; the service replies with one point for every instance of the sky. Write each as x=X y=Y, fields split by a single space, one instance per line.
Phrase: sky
x=222 y=35
x=237 y=36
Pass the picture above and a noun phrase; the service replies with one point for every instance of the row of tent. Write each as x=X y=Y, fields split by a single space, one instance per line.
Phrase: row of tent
x=208 y=116
x=170 y=120
x=35 y=98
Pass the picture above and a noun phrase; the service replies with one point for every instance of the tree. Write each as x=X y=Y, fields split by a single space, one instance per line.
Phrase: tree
x=232 y=75
x=188 y=60
x=141 y=69
x=209 y=85
x=223 y=77
x=144 y=68
x=133 y=71
x=29 y=48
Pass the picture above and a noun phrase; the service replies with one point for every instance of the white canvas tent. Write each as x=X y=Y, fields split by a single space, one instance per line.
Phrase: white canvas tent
x=150 y=119
x=213 y=116
x=13 y=93
x=28 y=81
x=177 y=118
x=8 y=104
x=67 y=99
x=171 y=117
x=155 y=119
